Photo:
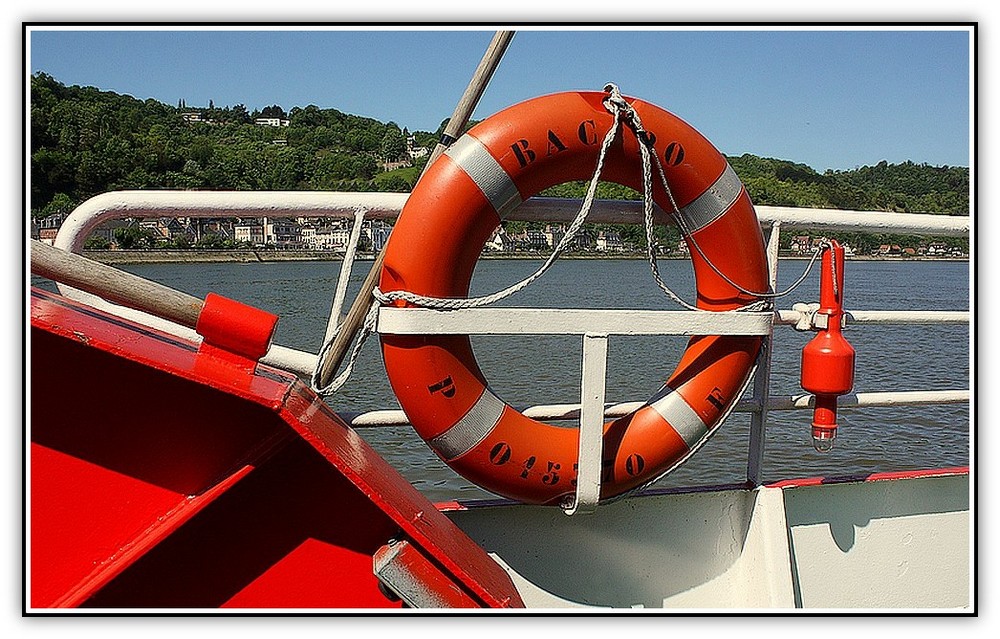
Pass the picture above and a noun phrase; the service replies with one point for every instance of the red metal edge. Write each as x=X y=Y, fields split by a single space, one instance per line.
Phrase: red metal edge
x=869 y=477
x=158 y=349
x=416 y=516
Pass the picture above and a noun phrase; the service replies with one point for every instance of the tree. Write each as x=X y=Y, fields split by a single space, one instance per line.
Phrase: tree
x=61 y=204
x=97 y=243
x=425 y=139
x=273 y=111
x=395 y=184
x=212 y=241
x=181 y=242
x=133 y=237
x=85 y=141
x=393 y=144
x=307 y=117
x=238 y=114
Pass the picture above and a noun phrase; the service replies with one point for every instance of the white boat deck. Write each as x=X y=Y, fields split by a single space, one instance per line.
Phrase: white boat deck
x=896 y=543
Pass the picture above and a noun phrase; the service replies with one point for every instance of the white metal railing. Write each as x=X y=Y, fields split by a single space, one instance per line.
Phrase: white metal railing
x=82 y=222
x=143 y=204
x=593 y=325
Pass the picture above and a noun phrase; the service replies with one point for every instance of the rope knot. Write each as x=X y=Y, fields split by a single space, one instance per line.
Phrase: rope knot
x=616 y=104
x=615 y=101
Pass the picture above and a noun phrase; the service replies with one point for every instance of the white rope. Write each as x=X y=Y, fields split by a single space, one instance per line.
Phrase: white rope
x=643 y=137
x=824 y=243
x=367 y=328
x=647 y=198
x=765 y=297
x=334 y=324
x=689 y=236
x=455 y=303
x=345 y=275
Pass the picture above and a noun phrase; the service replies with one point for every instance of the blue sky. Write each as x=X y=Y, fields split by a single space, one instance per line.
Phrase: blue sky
x=826 y=97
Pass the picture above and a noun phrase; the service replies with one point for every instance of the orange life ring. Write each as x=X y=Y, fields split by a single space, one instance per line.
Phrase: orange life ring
x=443 y=228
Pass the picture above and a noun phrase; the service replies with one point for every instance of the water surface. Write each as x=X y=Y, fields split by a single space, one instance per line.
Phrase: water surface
x=889 y=358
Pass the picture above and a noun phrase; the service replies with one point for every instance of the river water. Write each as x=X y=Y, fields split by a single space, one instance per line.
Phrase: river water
x=528 y=370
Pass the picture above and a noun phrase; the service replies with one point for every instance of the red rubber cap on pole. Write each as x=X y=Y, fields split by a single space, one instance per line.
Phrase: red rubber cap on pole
x=236 y=327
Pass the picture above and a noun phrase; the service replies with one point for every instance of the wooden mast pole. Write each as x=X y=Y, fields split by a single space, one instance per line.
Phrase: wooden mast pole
x=456 y=125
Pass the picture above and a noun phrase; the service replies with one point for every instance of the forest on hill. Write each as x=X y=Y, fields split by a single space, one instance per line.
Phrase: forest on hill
x=85 y=141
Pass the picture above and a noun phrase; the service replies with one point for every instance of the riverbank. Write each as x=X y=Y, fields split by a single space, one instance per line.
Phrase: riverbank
x=164 y=256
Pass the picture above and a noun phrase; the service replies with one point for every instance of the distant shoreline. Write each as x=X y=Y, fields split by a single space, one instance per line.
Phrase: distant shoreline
x=166 y=256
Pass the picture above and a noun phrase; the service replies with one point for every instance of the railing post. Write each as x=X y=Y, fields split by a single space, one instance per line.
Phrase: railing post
x=591 y=449
x=762 y=377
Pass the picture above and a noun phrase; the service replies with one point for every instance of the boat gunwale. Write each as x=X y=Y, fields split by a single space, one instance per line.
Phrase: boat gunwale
x=458 y=505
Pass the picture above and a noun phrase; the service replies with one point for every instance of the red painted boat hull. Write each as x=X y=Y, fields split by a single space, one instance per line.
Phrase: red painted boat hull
x=167 y=475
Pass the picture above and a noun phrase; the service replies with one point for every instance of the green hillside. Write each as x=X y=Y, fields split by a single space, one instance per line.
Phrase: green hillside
x=85 y=141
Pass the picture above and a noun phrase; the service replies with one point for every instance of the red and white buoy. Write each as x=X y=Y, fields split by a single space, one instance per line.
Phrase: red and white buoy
x=828 y=359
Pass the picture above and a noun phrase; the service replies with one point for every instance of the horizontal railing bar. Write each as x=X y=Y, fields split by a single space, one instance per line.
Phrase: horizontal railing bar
x=542 y=209
x=115 y=205
x=791 y=317
x=907 y=317
x=303 y=363
x=863 y=400
x=545 y=321
x=553 y=321
x=199 y=204
x=556 y=412
x=865 y=221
